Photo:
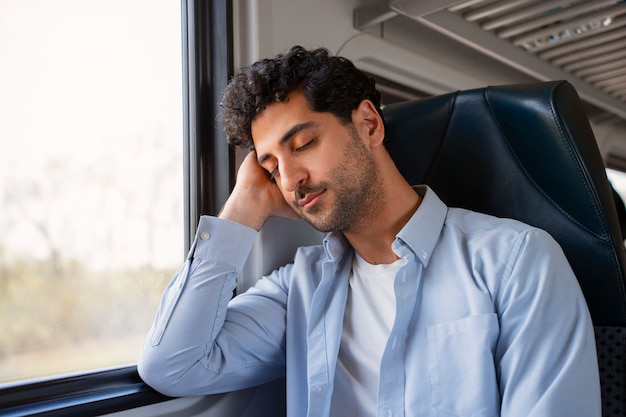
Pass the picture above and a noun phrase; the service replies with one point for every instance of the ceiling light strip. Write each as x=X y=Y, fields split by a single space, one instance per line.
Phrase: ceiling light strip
x=572 y=24
x=551 y=18
x=470 y=34
x=596 y=39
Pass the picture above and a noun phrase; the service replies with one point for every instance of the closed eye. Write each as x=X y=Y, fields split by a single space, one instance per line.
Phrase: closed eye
x=273 y=173
x=306 y=145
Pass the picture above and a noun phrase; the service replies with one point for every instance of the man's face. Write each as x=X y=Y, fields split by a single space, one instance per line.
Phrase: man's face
x=324 y=169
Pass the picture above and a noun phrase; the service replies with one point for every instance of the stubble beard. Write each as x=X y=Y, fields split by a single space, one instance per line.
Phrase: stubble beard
x=356 y=188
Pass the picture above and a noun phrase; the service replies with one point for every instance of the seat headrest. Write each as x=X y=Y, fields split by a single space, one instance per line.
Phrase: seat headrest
x=525 y=152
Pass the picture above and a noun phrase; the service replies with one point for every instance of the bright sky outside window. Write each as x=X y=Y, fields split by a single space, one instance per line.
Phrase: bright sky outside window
x=90 y=179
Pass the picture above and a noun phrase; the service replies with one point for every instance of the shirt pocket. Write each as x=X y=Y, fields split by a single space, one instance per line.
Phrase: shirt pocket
x=461 y=366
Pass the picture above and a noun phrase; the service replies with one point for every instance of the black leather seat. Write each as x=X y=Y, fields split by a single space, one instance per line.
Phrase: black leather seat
x=527 y=152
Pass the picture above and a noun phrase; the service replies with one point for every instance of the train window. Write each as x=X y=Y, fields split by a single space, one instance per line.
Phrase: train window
x=617 y=179
x=91 y=179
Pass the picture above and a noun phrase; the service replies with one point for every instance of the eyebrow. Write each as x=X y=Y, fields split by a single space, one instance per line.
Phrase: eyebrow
x=287 y=137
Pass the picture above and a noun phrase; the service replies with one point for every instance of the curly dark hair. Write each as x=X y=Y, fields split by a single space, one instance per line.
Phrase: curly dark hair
x=330 y=84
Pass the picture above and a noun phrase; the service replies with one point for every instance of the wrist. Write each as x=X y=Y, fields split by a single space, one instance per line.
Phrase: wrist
x=244 y=214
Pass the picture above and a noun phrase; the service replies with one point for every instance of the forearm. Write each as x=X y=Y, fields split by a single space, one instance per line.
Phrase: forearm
x=242 y=211
x=194 y=305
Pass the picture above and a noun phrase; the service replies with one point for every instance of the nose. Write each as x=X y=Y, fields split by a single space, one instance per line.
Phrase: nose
x=292 y=174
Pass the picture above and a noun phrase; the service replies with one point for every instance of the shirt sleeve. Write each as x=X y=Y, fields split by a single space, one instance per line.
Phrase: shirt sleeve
x=546 y=354
x=197 y=344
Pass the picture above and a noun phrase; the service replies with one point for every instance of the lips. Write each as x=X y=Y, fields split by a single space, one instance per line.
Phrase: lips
x=310 y=199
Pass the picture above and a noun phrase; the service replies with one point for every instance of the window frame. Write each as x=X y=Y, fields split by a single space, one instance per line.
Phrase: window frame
x=91 y=393
x=208 y=178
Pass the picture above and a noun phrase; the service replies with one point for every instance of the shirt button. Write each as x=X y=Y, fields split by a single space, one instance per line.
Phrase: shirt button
x=424 y=255
x=205 y=235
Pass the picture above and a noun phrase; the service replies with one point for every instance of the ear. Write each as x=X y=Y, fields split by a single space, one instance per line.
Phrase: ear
x=368 y=123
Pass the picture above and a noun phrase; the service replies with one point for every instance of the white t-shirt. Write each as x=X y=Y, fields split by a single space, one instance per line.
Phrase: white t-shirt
x=368 y=319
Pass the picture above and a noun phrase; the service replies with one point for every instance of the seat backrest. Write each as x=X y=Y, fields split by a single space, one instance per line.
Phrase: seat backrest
x=525 y=152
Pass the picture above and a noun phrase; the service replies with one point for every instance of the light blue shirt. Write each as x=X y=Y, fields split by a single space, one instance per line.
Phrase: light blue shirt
x=490 y=321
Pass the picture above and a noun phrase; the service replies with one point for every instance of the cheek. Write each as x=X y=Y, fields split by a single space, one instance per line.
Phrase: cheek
x=288 y=196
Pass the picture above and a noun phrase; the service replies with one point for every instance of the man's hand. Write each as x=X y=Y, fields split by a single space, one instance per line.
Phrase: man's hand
x=255 y=197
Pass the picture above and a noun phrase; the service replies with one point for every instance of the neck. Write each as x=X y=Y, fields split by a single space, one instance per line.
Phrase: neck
x=372 y=238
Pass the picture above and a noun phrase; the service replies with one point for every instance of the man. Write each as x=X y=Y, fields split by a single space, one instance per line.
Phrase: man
x=409 y=308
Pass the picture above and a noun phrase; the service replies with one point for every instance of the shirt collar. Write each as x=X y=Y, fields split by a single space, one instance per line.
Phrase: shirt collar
x=335 y=244
x=419 y=235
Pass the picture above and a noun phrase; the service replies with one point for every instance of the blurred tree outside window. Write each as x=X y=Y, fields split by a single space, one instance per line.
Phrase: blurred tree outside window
x=91 y=186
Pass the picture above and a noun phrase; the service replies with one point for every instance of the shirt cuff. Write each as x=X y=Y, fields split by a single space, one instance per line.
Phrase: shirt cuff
x=223 y=241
